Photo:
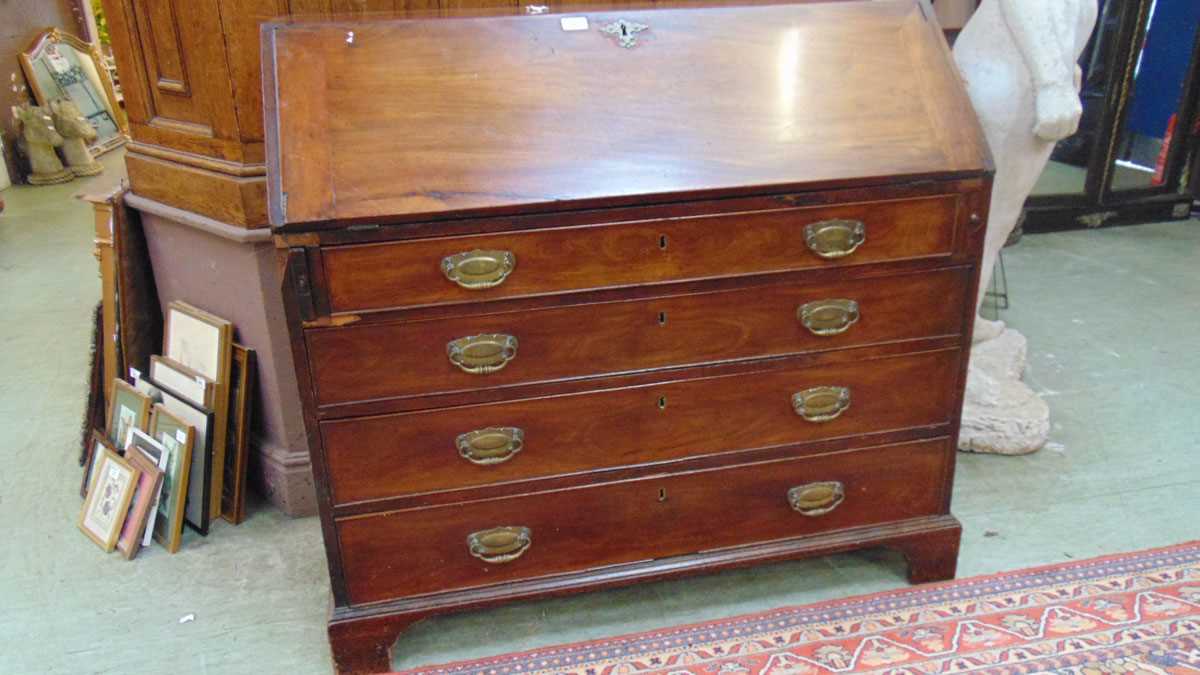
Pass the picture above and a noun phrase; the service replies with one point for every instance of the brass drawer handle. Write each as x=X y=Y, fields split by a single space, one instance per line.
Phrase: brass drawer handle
x=482 y=354
x=833 y=239
x=478 y=269
x=829 y=317
x=821 y=404
x=500 y=544
x=493 y=445
x=816 y=499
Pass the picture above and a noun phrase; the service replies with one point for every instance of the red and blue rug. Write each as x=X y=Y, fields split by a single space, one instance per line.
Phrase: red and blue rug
x=1136 y=613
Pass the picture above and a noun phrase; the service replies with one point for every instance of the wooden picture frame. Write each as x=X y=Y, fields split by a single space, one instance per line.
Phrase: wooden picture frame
x=187 y=382
x=96 y=446
x=142 y=443
x=204 y=342
x=198 y=503
x=141 y=504
x=107 y=503
x=178 y=437
x=237 y=455
x=60 y=65
x=128 y=409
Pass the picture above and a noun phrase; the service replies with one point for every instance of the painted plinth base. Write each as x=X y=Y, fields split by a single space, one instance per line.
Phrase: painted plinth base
x=1001 y=414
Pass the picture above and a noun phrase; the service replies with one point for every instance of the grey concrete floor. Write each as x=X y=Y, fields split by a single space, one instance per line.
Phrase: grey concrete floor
x=1112 y=317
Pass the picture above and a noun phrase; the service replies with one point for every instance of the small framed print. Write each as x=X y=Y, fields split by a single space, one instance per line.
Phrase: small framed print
x=241 y=391
x=141 y=504
x=197 y=510
x=128 y=409
x=95 y=452
x=204 y=343
x=144 y=445
x=178 y=437
x=186 y=382
x=107 y=502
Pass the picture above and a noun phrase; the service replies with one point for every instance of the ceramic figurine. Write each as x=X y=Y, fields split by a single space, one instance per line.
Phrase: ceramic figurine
x=1019 y=58
x=36 y=138
x=77 y=133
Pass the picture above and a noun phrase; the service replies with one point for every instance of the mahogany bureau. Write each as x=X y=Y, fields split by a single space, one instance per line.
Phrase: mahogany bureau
x=582 y=299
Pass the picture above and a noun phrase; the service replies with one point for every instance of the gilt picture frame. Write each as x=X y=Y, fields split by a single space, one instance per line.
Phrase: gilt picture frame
x=59 y=65
x=107 y=503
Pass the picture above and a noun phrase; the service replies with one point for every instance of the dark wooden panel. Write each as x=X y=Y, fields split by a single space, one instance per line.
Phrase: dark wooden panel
x=396 y=359
x=572 y=118
x=424 y=551
x=377 y=276
x=378 y=457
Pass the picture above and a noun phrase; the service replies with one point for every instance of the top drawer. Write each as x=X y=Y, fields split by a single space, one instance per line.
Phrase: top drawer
x=418 y=272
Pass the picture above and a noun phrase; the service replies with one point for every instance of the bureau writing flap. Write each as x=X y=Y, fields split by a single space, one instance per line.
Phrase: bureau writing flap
x=390 y=120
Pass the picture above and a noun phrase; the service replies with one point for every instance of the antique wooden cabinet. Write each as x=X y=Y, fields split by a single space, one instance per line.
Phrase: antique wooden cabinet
x=585 y=299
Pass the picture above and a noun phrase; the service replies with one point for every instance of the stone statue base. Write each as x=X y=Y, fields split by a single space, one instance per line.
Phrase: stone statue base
x=1001 y=415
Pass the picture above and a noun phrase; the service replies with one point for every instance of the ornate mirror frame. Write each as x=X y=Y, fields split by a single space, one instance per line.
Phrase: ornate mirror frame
x=46 y=70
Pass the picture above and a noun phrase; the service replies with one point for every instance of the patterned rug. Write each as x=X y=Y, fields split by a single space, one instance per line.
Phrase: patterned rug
x=1134 y=613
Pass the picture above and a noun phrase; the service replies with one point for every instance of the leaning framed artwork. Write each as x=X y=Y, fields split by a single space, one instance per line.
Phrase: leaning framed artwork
x=182 y=380
x=198 y=509
x=141 y=504
x=107 y=502
x=204 y=342
x=127 y=409
x=241 y=389
x=178 y=437
x=95 y=452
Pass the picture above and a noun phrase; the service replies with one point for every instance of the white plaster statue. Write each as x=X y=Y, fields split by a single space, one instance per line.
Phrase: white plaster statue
x=1019 y=58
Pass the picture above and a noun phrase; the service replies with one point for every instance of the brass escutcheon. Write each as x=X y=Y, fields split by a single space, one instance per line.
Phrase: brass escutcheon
x=500 y=544
x=816 y=499
x=832 y=239
x=479 y=269
x=493 y=445
x=482 y=354
x=821 y=404
x=828 y=317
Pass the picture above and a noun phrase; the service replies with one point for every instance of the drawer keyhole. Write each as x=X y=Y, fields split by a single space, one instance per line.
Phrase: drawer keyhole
x=662 y=318
x=662 y=494
x=662 y=402
x=662 y=241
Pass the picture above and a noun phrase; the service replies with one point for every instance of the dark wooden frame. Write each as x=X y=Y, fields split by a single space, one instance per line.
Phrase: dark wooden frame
x=1100 y=205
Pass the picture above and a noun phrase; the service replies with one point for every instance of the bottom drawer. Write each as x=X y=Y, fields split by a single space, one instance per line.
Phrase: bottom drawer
x=421 y=551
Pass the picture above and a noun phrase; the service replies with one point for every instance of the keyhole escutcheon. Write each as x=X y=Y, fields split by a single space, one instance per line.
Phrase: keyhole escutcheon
x=662 y=402
x=662 y=318
x=662 y=494
x=662 y=242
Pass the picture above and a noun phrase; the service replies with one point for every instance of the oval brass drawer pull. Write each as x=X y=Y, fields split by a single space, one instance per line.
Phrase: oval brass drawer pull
x=816 y=499
x=821 y=404
x=832 y=239
x=828 y=317
x=479 y=269
x=493 y=445
x=482 y=354
x=500 y=544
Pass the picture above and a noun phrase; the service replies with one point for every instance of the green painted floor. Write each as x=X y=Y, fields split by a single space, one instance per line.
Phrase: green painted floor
x=1113 y=319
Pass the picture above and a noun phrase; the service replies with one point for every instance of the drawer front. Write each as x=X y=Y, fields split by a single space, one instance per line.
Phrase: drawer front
x=410 y=273
x=392 y=455
x=399 y=359
x=427 y=550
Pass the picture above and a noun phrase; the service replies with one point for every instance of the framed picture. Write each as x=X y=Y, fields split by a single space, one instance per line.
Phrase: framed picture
x=198 y=503
x=141 y=505
x=186 y=382
x=128 y=409
x=241 y=391
x=204 y=343
x=95 y=452
x=144 y=445
x=178 y=437
x=107 y=502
